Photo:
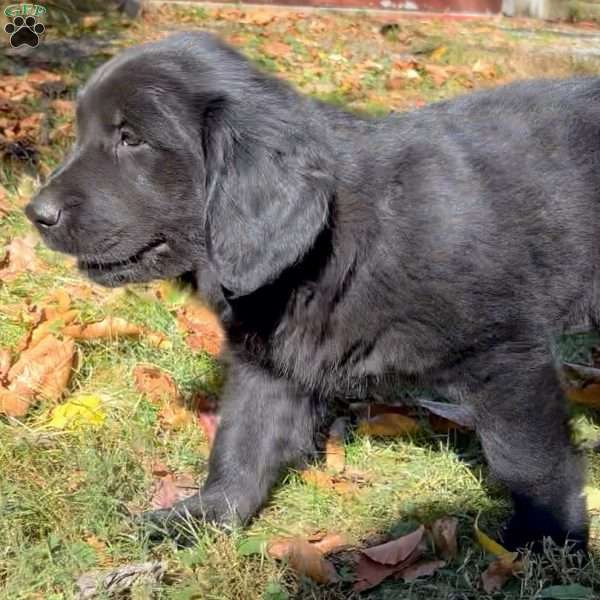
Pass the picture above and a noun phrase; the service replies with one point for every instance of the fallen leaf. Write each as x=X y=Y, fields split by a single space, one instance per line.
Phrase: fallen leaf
x=63 y=108
x=119 y=581
x=20 y=257
x=174 y=416
x=500 y=571
x=78 y=413
x=171 y=488
x=335 y=454
x=202 y=328
x=12 y=404
x=488 y=544
x=593 y=498
x=5 y=361
x=155 y=384
x=304 y=558
x=388 y=425
x=276 y=49
x=44 y=370
x=369 y=573
x=424 y=568
x=438 y=53
x=4 y=206
x=395 y=551
x=326 y=481
x=331 y=543
x=114 y=327
x=588 y=395
x=443 y=533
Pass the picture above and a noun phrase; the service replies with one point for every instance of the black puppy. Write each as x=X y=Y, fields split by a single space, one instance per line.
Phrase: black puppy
x=443 y=247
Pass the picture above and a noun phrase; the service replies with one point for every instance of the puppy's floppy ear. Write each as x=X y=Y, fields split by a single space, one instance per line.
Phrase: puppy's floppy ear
x=268 y=200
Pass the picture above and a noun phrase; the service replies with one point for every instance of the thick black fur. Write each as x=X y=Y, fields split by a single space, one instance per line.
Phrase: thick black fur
x=445 y=247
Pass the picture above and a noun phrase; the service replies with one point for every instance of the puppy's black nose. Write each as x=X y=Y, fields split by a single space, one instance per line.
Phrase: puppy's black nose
x=44 y=210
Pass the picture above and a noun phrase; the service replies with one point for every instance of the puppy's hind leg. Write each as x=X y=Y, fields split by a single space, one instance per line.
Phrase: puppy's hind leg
x=266 y=425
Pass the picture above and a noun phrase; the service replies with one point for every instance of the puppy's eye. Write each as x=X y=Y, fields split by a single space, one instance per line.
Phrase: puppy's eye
x=128 y=138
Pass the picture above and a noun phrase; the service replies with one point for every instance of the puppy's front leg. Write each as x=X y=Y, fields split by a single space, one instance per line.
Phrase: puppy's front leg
x=523 y=425
x=266 y=424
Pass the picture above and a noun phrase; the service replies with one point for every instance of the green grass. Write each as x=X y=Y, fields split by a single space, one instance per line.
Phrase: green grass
x=65 y=497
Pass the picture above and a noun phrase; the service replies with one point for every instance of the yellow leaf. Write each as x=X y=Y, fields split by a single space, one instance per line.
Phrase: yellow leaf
x=438 y=53
x=593 y=498
x=489 y=545
x=78 y=413
x=387 y=425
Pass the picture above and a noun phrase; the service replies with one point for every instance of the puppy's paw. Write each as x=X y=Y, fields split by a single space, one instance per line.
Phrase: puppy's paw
x=516 y=535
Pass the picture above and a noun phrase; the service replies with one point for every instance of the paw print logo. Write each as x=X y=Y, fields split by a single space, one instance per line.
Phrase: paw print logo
x=24 y=32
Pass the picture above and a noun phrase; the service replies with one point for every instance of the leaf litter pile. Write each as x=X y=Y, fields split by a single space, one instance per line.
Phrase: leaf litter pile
x=123 y=384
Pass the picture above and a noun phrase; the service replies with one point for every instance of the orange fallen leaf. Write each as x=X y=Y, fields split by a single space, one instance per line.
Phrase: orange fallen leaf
x=4 y=206
x=174 y=416
x=114 y=327
x=330 y=543
x=443 y=533
x=304 y=558
x=424 y=568
x=395 y=551
x=43 y=370
x=20 y=257
x=325 y=481
x=63 y=108
x=588 y=395
x=500 y=571
x=12 y=404
x=388 y=425
x=276 y=49
x=5 y=361
x=155 y=384
x=202 y=328
x=335 y=453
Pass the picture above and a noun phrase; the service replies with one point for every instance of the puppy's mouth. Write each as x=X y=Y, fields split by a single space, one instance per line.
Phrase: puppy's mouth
x=116 y=271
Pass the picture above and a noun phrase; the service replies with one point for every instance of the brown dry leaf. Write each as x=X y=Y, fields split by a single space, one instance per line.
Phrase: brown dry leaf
x=438 y=74
x=52 y=321
x=12 y=404
x=331 y=543
x=204 y=332
x=157 y=385
x=114 y=327
x=588 y=395
x=276 y=49
x=63 y=108
x=500 y=571
x=43 y=370
x=388 y=425
x=304 y=558
x=443 y=533
x=424 y=568
x=396 y=551
x=171 y=488
x=325 y=481
x=20 y=256
x=258 y=17
x=335 y=454
x=5 y=360
x=174 y=416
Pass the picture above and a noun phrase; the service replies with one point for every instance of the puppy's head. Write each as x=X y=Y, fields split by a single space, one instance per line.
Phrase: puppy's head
x=186 y=157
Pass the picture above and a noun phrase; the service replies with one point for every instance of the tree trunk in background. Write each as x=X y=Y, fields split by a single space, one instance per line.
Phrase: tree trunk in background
x=132 y=8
